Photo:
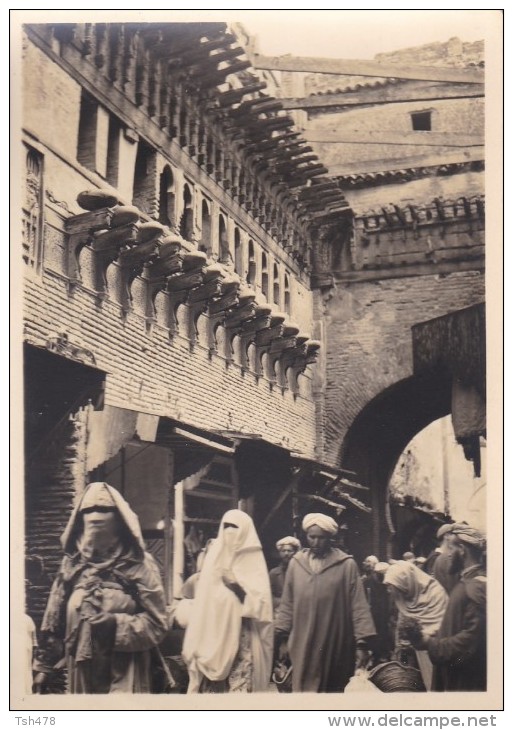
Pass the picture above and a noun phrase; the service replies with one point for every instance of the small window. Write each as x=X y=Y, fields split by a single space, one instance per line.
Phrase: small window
x=251 y=263
x=276 y=285
x=167 y=197
x=113 y=151
x=287 y=294
x=265 y=277
x=421 y=121
x=144 y=179
x=87 y=132
x=186 y=221
x=239 y=259
x=224 y=249
x=206 y=228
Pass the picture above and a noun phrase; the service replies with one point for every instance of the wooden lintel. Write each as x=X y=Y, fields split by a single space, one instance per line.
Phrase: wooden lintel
x=387 y=95
x=397 y=272
x=421 y=139
x=351 y=67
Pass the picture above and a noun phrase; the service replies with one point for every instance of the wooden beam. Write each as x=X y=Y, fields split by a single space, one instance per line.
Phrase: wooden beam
x=281 y=499
x=350 y=67
x=404 y=163
x=398 y=272
x=422 y=139
x=389 y=95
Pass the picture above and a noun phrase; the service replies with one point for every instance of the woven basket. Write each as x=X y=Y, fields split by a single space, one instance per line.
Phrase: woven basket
x=397 y=677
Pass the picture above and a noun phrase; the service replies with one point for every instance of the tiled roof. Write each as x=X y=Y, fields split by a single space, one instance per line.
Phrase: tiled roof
x=389 y=177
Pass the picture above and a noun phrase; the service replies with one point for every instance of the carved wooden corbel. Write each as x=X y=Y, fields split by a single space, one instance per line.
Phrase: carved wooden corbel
x=230 y=298
x=250 y=328
x=107 y=246
x=133 y=259
x=276 y=352
x=294 y=362
x=179 y=286
x=264 y=339
x=81 y=229
x=168 y=261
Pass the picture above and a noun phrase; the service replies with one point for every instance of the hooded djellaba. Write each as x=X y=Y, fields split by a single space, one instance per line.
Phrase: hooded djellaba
x=106 y=608
x=324 y=622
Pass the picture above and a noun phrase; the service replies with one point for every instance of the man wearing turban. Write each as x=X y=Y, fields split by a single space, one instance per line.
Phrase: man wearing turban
x=106 y=608
x=287 y=547
x=438 y=563
x=323 y=618
x=458 y=651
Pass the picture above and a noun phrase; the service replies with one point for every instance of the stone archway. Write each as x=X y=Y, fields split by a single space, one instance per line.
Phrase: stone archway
x=381 y=432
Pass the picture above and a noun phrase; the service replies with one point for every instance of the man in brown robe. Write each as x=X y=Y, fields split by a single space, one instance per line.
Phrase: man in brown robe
x=323 y=616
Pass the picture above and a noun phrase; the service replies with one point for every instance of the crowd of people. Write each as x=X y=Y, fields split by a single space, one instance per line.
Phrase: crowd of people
x=315 y=617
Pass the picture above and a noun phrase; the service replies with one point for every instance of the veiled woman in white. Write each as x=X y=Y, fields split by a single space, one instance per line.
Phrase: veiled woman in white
x=228 y=642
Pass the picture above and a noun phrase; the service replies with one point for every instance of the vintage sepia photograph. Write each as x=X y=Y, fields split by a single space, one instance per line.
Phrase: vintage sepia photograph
x=254 y=289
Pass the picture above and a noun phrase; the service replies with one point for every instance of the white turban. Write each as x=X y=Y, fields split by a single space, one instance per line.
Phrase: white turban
x=289 y=540
x=324 y=522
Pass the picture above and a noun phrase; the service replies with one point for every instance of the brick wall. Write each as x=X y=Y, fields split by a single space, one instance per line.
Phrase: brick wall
x=367 y=340
x=52 y=477
x=51 y=100
x=456 y=116
x=416 y=191
x=149 y=372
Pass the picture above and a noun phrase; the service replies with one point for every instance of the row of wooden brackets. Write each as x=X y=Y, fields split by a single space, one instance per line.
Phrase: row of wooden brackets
x=150 y=251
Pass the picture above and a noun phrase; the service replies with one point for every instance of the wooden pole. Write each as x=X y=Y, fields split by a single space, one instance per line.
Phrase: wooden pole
x=417 y=139
x=394 y=95
x=178 y=538
x=351 y=67
x=168 y=533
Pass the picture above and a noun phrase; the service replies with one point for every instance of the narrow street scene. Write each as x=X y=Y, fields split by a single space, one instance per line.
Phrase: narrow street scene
x=254 y=363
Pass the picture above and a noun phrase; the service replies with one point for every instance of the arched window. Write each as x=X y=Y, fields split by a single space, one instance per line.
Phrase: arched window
x=286 y=296
x=239 y=258
x=265 y=277
x=276 y=284
x=186 y=222
x=224 y=249
x=206 y=228
x=251 y=263
x=167 y=197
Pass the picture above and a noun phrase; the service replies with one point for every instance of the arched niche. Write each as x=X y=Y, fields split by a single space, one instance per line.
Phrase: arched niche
x=202 y=326
x=187 y=218
x=206 y=227
x=162 y=308
x=224 y=247
x=252 y=357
